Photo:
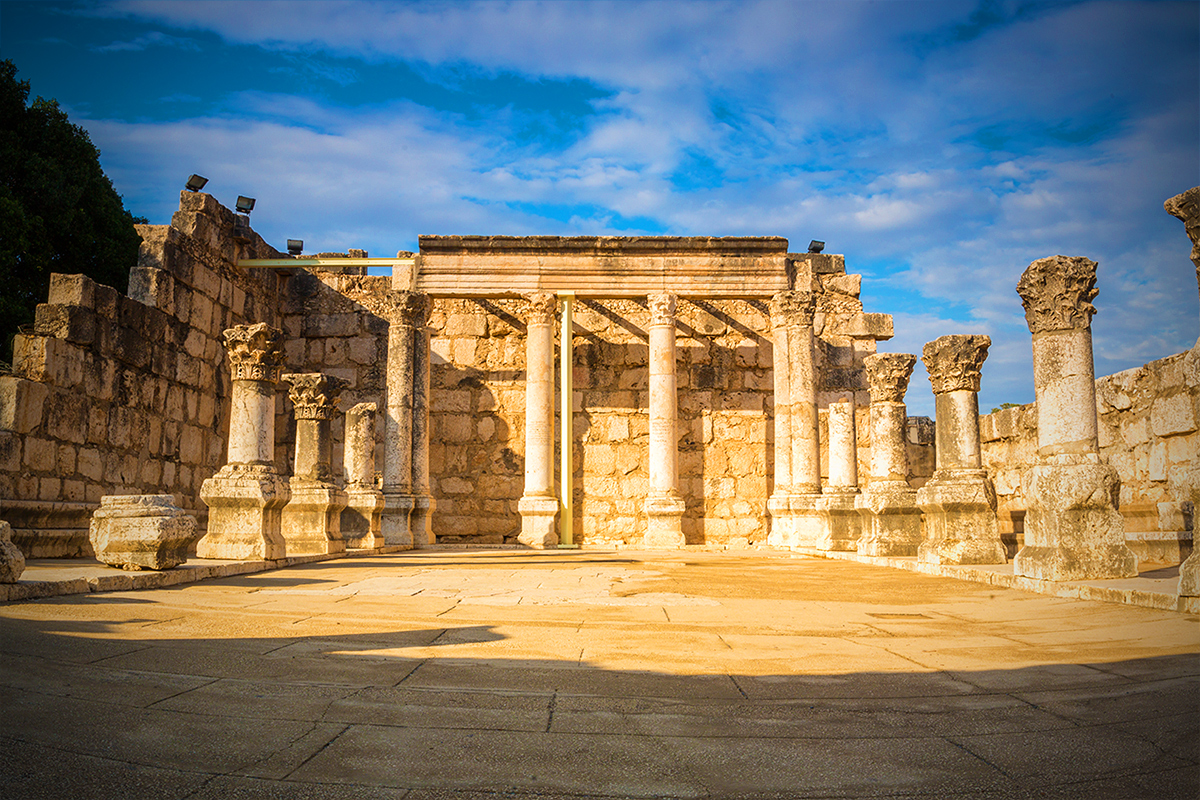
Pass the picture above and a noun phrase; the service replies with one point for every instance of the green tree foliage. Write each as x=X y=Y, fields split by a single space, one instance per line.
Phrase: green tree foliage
x=58 y=210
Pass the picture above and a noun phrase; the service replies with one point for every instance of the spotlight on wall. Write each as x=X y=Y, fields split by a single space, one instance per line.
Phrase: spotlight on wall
x=245 y=204
x=295 y=247
x=196 y=182
x=815 y=247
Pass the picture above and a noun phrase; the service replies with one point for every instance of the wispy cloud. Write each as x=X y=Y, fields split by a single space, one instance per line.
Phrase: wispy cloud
x=153 y=39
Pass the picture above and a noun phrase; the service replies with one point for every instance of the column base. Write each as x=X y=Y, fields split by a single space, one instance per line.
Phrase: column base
x=421 y=521
x=361 y=523
x=960 y=519
x=395 y=521
x=1189 y=575
x=244 y=502
x=795 y=520
x=312 y=519
x=664 y=523
x=1073 y=530
x=841 y=524
x=538 y=513
x=891 y=521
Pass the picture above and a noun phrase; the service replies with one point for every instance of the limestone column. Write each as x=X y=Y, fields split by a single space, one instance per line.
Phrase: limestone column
x=795 y=519
x=538 y=505
x=841 y=522
x=246 y=496
x=1186 y=207
x=664 y=507
x=404 y=310
x=364 y=503
x=890 y=518
x=1073 y=530
x=959 y=502
x=421 y=519
x=312 y=519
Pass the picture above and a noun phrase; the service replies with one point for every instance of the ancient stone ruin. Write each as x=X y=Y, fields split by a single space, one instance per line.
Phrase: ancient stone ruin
x=707 y=392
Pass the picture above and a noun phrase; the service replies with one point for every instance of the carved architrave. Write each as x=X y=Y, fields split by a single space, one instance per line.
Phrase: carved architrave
x=314 y=395
x=255 y=352
x=662 y=308
x=793 y=308
x=1186 y=207
x=888 y=374
x=541 y=309
x=410 y=308
x=1057 y=293
x=954 y=362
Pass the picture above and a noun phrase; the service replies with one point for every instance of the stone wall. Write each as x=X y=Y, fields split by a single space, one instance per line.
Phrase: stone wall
x=123 y=395
x=1148 y=431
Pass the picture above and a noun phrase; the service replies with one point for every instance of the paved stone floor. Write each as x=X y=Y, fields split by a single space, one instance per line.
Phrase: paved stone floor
x=473 y=674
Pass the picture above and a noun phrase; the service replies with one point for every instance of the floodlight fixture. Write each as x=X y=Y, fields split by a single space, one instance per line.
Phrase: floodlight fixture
x=196 y=182
x=295 y=247
x=245 y=204
x=815 y=246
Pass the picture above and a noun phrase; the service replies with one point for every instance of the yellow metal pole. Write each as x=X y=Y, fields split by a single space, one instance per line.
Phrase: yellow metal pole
x=566 y=484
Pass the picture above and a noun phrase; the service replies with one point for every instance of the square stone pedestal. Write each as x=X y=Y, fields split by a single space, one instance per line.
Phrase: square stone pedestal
x=960 y=519
x=841 y=524
x=312 y=519
x=538 y=513
x=395 y=521
x=664 y=523
x=245 y=503
x=361 y=518
x=891 y=521
x=141 y=531
x=796 y=520
x=420 y=521
x=1073 y=530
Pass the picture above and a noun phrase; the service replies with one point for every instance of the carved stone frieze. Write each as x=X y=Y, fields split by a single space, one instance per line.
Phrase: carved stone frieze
x=793 y=308
x=314 y=395
x=541 y=308
x=255 y=352
x=888 y=374
x=662 y=308
x=954 y=362
x=1057 y=293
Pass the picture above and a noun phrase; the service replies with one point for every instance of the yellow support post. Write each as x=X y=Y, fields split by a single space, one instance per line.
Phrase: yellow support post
x=566 y=537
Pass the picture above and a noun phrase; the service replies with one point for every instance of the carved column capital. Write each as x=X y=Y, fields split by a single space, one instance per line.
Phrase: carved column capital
x=1057 y=293
x=409 y=308
x=255 y=352
x=954 y=362
x=888 y=374
x=662 y=308
x=793 y=308
x=1186 y=207
x=360 y=409
x=541 y=308
x=314 y=395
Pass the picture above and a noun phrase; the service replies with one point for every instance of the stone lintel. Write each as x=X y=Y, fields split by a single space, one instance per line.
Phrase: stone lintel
x=602 y=266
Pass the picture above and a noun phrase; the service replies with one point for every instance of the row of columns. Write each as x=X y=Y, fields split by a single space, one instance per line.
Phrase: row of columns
x=253 y=512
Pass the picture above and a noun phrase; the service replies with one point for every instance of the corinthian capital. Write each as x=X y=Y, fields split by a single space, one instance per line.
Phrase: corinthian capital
x=793 y=308
x=255 y=352
x=662 y=309
x=409 y=308
x=541 y=308
x=888 y=374
x=1186 y=207
x=954 y=361
x=1057 y=293
x=314 y=395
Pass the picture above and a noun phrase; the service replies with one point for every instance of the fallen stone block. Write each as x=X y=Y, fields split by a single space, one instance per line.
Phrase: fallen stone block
x=12 y=561
x=146 y=531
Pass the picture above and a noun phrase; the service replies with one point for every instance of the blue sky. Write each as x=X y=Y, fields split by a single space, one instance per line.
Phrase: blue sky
x=941 y=146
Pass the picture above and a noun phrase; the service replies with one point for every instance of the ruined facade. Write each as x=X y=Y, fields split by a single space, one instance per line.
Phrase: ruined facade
x=730 y=448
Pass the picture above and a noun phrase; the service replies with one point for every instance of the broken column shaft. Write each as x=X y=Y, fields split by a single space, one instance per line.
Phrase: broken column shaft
x=361 y=518
x=1073 y=530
